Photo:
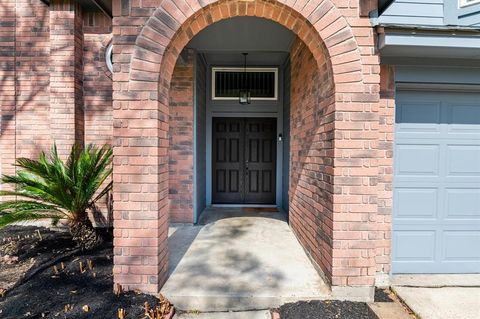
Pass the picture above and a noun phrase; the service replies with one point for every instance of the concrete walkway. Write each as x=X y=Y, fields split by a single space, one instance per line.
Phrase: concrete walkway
x=239 y=260
x=262 y=314
x=440 y=296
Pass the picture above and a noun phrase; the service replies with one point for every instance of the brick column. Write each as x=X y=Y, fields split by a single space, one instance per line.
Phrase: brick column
x=7 y=87
x=66 y=74
x=386 y=129
x=180 y=153
x=141 y=144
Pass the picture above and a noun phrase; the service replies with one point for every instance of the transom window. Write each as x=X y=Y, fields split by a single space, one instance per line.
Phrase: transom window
x=464 y=3
x=261 y=82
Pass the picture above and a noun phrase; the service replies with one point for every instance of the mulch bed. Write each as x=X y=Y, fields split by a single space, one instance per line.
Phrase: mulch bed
x=68 y=290
x=383 y=295
x=327 y=309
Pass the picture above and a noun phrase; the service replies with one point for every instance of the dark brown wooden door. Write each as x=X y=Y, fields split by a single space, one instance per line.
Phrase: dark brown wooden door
x=260 y=160
x=228 y=160
x=244 y=160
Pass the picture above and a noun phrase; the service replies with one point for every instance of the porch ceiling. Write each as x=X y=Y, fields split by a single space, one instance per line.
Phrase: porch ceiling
x=267 y=42
x=254 y=58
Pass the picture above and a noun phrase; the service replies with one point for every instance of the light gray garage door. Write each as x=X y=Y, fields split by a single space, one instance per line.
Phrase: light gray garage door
x=436 y=215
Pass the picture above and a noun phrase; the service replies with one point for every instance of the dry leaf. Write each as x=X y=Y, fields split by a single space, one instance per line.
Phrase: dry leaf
x=121 y=313
x=117 y=290
x=86 y=308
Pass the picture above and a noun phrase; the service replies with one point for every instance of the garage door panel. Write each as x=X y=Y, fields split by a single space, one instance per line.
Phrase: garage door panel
x=436 y=213
x=462 y=204
x=415 y=203
x=408 y=114
x=458 y=246
x=423 y=240
x=417 y=159
x=466 y=116
x=463 y=160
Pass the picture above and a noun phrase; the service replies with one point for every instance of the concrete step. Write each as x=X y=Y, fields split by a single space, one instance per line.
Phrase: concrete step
x=262 y=314
x=436 y=280
x=389 y=310
x=226 y=302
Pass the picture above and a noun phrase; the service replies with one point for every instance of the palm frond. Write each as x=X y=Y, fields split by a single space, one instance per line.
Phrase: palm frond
x=16 y=211
x=61 y=186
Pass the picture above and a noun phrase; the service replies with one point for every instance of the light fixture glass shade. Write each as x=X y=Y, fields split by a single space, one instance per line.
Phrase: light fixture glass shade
x=244 y=97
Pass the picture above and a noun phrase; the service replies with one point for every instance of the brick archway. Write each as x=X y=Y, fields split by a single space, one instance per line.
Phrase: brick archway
x=321 y=27
x=141 y=84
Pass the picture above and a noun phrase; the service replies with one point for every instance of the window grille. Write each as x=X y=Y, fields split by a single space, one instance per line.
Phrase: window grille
x=261 y=82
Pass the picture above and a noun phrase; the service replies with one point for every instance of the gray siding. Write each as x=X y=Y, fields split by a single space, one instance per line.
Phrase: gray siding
x=200 y=134
x=437 y=74
x=431 y=13
x=414 y=12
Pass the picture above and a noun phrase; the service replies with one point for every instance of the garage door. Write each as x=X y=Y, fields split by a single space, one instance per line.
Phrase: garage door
x=436 y=214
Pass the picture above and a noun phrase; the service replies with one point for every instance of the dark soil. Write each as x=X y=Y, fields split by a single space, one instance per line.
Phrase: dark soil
x=383 y=295
x=62 y=293
x=328 y=309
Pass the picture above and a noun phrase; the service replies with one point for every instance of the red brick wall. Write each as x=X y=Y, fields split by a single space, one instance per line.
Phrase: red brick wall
x=97 y=88
x=25 y=57
x=97 y=93
x=42 y=100
x=311 y=150
x=24 y=82
x=7 y=86
x=32 y=74
x=96 y=23
x=148 y=38
x=81 y=81
x=180 y=188
x=66 y=75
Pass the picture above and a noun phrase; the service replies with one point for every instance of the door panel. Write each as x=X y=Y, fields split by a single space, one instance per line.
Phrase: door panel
x=260 y=137
x=228 y=161
x=244 y=160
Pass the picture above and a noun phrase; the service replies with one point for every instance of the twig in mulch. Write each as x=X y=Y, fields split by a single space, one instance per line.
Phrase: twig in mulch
x=49 y=263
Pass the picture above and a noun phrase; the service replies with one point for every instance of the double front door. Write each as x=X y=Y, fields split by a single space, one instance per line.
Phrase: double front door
x=244 y=160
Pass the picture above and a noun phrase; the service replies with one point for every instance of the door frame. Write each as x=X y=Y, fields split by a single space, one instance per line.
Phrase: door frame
x=279 y=159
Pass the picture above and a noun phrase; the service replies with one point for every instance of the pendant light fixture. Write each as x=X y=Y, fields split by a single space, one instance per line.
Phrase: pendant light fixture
x=244 y=95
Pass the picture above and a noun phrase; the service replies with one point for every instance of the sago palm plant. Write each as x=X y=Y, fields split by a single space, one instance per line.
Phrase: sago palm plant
x=49 y=188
